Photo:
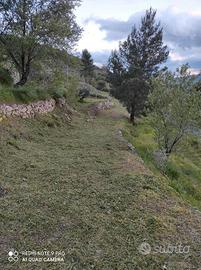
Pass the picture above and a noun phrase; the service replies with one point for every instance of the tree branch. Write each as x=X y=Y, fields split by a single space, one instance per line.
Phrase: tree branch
x=10 y=53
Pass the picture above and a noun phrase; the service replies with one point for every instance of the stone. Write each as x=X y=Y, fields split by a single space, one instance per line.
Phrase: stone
x=27 y=110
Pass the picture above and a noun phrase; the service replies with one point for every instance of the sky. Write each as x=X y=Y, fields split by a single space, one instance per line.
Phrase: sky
x=106 y=22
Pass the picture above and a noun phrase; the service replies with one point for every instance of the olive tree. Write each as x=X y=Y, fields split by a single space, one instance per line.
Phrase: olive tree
x=175 y=107
x=25 y=25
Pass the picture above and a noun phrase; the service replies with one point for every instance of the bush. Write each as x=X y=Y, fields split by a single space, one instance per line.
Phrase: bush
x=57 y=87
x=72 y=87
x=5 y=77
x=30 y=92
x=83 y=93
x=103 y=86
x=62 y=86
x=6 y=94
x=93 y=92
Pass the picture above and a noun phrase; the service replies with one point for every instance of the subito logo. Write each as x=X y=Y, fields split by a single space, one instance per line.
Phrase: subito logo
x=144 y=248
x=13 y=256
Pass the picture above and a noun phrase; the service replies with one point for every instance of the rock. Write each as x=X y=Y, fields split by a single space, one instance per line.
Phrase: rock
x=160 y=159
x=27 y=111
x=131 y=147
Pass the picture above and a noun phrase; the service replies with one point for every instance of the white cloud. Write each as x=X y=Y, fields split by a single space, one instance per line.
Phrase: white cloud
x=94 y=39
x=177 y=57
x=194 y=71
x=106 y=22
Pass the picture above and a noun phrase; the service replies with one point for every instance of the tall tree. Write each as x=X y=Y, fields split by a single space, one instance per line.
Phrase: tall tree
x=87 y=65
x=25 y=25
x=116 y=70
x=140 y=57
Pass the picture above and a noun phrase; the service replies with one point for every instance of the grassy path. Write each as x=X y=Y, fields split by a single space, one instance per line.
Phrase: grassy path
x=76 y=188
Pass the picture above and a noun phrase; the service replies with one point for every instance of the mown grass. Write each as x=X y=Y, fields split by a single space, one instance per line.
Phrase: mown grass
x=65 y=191
x=183 y=168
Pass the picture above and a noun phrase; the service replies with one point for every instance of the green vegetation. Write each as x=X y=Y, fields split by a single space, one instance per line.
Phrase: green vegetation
x=88 y=90
x=59 y=86
x=87 y=70
x=5 y=77
x=63 y=86
x=137 y=60
x=29 y=93
x=67 y=186
x=102 y=85
x=183 y=167
x=175 y=108
x=6 y=94
x=70 y=180
x=26 y=25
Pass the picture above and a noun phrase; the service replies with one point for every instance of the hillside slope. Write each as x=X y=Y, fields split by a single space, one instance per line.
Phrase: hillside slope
x=76 y=187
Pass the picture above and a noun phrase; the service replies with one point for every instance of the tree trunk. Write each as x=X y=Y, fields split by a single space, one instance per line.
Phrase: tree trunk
x=22 y=80
x=132 y=115
x=24 y=75
x=168 y=153
x=170 y=149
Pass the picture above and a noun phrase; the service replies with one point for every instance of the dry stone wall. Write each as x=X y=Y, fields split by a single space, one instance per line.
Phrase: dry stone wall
x=105 y=105
x=27 y=110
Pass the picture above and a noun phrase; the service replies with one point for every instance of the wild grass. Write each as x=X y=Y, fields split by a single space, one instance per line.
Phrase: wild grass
x=57 y=87
x=6 y=94
x=183 y=168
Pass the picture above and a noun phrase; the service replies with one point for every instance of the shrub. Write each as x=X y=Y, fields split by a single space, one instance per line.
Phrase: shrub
x=5 y=77
x=6 y=94
x=93 y=92
x=62 y=86
x=30 y=92
x=103 y=86
x=57 y=87
x=83 y=93
x=72 y=87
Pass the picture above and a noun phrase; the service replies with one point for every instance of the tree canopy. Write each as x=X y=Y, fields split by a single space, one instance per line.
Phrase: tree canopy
x=138 y=59
x=175 y=107
x=25 y=25
x=87 y=65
